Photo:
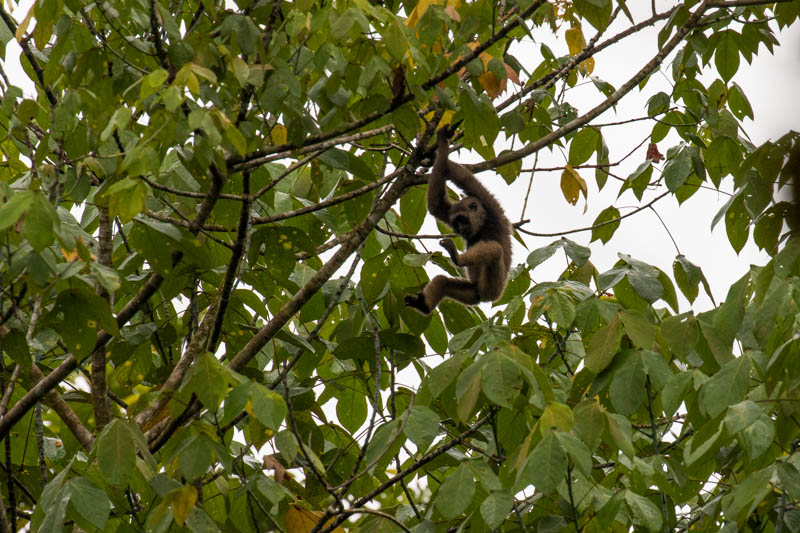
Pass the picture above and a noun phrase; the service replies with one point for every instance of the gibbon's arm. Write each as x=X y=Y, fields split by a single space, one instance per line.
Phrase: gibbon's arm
x=463 y=178
x=438 y=204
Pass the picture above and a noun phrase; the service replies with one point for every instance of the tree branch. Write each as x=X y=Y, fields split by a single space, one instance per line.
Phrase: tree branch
x=65 y=412
x=98 y=376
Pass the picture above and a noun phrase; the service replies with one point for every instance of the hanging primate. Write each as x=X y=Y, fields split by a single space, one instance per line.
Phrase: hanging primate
x=480 y=220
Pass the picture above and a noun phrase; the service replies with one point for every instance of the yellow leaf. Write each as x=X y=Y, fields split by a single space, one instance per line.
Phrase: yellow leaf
x=24 y=24
x=419 y=10
x=278 y=134
x=575 y=40
x=182 y=501
x=193 y=84
x=447 y=117
x=586 y=66
x=300 y=520
x=493 y=86
x=572 y=185
x=70 y=255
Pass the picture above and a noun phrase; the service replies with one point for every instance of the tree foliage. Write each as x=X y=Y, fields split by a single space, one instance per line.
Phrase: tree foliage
x=209 y=213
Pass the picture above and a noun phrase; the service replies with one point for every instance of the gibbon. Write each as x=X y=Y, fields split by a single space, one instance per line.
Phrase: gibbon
x=480 y=220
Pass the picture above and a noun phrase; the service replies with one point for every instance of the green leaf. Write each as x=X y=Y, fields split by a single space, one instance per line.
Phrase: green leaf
x=152 y=82
x=747 y=494
x=90 y=501
x=556 y=416
x=78 y=315
x=577 y=253
x=198 y=521
x=396 y=41
x=540 y=255
x=589 y=422
x=560 y=308
x=269 y=407
x=726 y=55
x=496 y=507
x=627 y=390
x=440 y=377
x=16 y=346
x=583 y=145
x=546 y=466
x=767 y=230
x=40 y=221
x=722 y=157
x=127 y=197
x=118 y=122
x=669 y=295
x=677 y=170
x=728 y=316
x=646 y=285
x=597 y=12
x=639 y=329
x=351 y=404
x=738 y=103
x=789 y=478
x=456 y=492
x=742 y=415
x=385 y=444
x=468 y=389
x=688 y=276
x=674 y=392
x=726 y=387
x=619 y=429
x=116 y=453
x=577 y=452
x=757 y=437
x=605 y=224
x=644 y=512
x=14 y=207
x=603 y=345
x=422 y=426
x=608 y=512
x=287 y=445
x=207 y=380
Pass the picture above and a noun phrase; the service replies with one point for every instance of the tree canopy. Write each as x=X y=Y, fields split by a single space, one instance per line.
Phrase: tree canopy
x=211 y=212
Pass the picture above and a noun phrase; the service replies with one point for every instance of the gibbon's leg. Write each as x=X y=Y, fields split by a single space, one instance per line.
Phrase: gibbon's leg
x=460 y=290
x=484 y=260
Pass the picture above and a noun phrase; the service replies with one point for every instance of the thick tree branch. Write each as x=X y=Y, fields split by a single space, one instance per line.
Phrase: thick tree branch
x=175 y=378
x=65 y=412
x=233 y=265
x=98 y=376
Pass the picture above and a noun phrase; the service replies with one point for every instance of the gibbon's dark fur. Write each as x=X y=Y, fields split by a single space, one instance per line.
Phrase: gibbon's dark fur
x=480 y=220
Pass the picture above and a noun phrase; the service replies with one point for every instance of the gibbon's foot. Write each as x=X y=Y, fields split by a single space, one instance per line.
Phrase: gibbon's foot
x=448 y=244
x=417 y=301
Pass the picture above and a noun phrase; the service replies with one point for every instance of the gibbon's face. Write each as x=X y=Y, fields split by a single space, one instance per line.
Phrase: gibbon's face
x=467 y=217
